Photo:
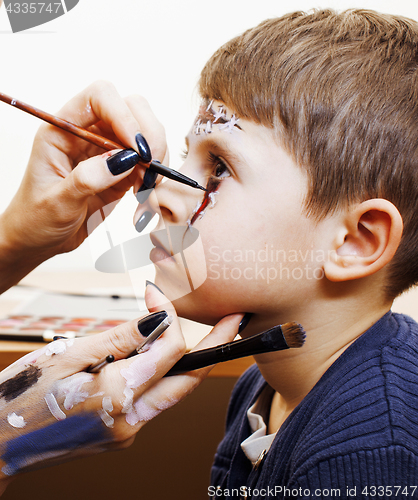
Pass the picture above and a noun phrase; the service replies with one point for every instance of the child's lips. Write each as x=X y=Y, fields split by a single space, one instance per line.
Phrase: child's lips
x=159 y=253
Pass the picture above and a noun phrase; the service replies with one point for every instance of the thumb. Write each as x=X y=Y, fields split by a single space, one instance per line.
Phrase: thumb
x=120 y=342
x=100 y=172
x=156 y=300
x=224 y=331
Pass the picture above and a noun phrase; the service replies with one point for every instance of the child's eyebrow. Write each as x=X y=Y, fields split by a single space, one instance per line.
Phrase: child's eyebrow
x=219 y=149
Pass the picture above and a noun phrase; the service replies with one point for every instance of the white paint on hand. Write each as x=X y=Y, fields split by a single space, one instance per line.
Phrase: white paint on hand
x=16 y=420
x=53 y=407
x=107 y=406
x=56 y=347
x=71 y=389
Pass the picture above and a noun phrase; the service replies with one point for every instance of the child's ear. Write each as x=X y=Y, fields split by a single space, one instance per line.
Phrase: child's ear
x=367 y=239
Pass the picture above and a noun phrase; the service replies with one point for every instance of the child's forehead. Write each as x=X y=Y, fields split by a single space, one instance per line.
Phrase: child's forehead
x=215 y=113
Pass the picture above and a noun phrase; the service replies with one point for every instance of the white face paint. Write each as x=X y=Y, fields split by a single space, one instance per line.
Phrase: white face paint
x=107 y=407
x=128 y=401
x=143 y=411
x=56 y=347
x=143 y=367
x=53 y=407
x=16 y=420
x=214 y=117
x=71 y=389
x=107 y=404
x=140 y=371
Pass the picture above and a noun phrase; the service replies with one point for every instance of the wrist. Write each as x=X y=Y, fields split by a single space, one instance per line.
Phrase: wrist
x=17 y=258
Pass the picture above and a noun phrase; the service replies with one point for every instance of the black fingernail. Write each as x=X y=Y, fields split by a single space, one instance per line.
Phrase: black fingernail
x=122 y=161
x=148 y=324
x=149 y=178
x=148 y=183
x=147 y=282
x=143 y=221
x=244 y=322
x=143 y=194
x=143 y=148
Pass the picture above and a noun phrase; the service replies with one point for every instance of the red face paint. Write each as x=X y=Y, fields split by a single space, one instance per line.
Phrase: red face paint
x=211 y=187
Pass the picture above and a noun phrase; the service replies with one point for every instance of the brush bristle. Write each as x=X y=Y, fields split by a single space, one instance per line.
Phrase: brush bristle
x=294 y=334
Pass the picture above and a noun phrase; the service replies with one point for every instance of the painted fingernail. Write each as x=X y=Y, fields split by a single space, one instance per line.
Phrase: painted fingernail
x=143 y=221
x=148 y=324
x=149 y=178
x=244 y=322
x=122 y=161
x=143 y=194
x=147 y=185
x=143 y=148
x=150 y=283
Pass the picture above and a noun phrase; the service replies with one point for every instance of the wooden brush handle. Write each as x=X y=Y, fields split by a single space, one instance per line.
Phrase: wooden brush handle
x=96 y=139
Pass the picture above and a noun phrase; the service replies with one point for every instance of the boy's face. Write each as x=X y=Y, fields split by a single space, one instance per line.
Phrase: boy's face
x=261 y=252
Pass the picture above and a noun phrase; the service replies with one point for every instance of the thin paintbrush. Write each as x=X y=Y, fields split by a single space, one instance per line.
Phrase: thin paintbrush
x=289 y=335
x=152 y=337
x=95 y=139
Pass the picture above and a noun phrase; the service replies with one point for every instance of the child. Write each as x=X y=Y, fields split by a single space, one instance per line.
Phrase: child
x=310 y=124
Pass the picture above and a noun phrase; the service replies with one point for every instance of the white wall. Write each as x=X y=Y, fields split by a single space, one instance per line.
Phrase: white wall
x=152 y=47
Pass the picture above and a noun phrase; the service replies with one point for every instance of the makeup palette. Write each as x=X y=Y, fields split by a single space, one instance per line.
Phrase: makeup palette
x=72 y=316
x=45 y=328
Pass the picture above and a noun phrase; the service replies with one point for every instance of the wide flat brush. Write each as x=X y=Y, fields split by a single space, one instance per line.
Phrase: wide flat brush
x=278 y=338
x=95 y=139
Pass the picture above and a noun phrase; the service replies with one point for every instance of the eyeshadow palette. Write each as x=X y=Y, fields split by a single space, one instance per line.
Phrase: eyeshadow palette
x=44 y=328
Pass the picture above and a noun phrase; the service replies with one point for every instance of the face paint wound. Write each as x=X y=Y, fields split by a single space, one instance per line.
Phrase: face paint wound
x=208 y=200
x=209 y=117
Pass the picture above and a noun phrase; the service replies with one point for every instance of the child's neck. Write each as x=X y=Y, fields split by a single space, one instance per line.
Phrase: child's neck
x=294 y=372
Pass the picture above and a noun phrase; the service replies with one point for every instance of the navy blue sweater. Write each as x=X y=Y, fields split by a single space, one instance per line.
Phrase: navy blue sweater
x=355 y=435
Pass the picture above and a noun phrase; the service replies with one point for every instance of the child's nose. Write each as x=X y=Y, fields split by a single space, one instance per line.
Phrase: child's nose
x=175 y=201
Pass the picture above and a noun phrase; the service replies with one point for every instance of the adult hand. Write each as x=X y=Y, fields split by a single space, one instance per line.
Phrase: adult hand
x=68 y=179
x=52 y=410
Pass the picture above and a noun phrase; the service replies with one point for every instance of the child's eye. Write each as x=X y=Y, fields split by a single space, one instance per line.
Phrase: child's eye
x=220 y=169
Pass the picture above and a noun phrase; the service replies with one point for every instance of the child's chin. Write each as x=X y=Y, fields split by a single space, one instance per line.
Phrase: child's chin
x=187 y=308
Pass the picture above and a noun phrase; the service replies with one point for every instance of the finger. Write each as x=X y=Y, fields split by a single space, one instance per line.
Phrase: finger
x=151 y=128
x=101 y=101
x=224 y=331
x=99 y=173
x=134 y=376
x=80 y=354
x=155 y=299
x=143 y=215
x=153 y=132
x=169 y=391
x=162 y=353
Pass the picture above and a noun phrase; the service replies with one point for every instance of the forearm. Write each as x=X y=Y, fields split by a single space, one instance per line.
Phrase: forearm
x=16 y=258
